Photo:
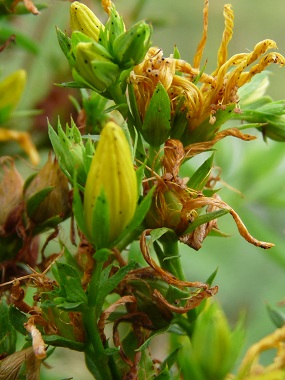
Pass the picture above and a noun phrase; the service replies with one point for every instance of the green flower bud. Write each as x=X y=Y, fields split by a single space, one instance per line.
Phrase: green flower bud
x=130 y=48
x=47 y=195
x=94 y=67
x=112 y=178
x=215 y=346
x=84 y=20
x=11 y=89
x=70 y=151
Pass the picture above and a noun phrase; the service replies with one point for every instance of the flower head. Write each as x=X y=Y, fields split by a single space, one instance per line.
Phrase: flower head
x=195 y=94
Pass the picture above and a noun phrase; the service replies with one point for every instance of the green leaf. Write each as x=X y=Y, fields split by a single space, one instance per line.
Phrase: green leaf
x=200 y=177
x=164 y=375
x=59 y=341
x=171 y=358
x=8 y=336
x=205 y=218
x=17 y=319
x=70 y=283
x=156 y=124
x=107 y=286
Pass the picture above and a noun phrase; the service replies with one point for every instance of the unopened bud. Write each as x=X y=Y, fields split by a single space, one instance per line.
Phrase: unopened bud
x=11 y=89
x=72 y=155
x=130 y=48
x=94 y=67
x=215 y=346
x=47 y=194
x=111 y=181
x=84 y=20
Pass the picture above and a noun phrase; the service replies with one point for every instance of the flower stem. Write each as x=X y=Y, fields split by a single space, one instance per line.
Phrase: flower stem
x=170 y=259
x=97 y=361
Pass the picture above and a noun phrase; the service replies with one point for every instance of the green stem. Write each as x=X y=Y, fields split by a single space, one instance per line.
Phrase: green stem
x=97 y=361
x=184 y=324
x=171 y=256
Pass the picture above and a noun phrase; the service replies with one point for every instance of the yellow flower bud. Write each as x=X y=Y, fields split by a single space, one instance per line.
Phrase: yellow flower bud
x=112 y=173
x=84 y=20
x=11 y=89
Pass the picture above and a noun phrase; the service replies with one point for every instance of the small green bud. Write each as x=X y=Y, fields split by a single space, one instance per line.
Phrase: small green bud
x=94 y=67
x=84 y=20
x=130 y=48
x=215 y=346
x=47 y=194
x=11 y=89
x=70 y=151
x=112 y=178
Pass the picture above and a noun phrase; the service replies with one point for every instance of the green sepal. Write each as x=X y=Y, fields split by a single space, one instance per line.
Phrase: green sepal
x=35 y=200
x=138 y=217
x=134 y=108
x=130 y=48
x=205 y=218
x=77 y=37
x=276 y=316
x=114 y=26
x=179 y=121
x=78 y=210
x=201 y=175
x=66 y=46
x=156 y=125
x=100 y=234
x=207 y=131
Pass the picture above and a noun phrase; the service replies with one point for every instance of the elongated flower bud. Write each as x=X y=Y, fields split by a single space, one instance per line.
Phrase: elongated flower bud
x=130 y=48
x=111 y=174
x=11 y=184
x=47 y=194
x=11 y=89
x=84 y=20
x=94 y=66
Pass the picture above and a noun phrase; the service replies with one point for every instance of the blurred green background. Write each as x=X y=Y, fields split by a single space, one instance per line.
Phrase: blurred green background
x=248 y=277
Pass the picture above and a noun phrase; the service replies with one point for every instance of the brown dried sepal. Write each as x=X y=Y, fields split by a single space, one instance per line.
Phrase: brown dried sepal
x=11 y=365
x=166 y=276
x=191 y=303
x=141 y=325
